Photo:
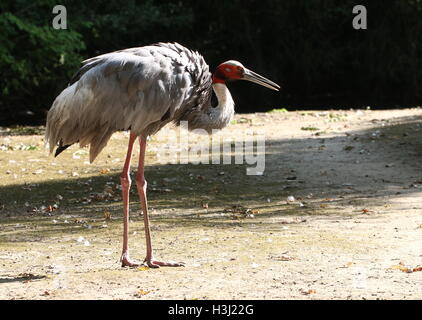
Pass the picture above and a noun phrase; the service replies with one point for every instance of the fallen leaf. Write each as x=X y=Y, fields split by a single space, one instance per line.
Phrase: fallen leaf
x=307 y=292
x=142 y=293
x=107 y=215
x=401 y=267
x=51 y=208
x=143 y=268
x=418 y=268
x=282 y=258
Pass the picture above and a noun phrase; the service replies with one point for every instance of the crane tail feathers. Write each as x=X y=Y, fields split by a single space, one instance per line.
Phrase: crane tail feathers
x=66 y=125
x=60 y=149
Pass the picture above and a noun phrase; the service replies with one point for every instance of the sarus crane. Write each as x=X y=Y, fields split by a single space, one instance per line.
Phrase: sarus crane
x=141 y=90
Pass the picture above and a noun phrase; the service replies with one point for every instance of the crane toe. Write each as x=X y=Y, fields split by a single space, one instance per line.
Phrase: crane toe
x=156 y=264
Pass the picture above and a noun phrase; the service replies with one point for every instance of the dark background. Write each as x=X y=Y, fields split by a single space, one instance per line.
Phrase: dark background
x=307 y=46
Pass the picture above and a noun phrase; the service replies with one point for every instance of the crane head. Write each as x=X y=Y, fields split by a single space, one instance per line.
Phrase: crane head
x=234 y=70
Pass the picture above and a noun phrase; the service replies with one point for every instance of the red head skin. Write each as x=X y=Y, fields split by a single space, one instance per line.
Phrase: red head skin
x=226 y=72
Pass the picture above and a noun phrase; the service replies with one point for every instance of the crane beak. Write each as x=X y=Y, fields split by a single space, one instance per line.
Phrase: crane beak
x=254 y=77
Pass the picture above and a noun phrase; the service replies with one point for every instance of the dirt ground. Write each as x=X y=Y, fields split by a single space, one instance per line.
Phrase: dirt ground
x=335 y=215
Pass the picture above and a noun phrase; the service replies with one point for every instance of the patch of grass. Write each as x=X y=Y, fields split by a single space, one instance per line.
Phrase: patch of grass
x=334 y=117
x=310 y=128
x=278 y=110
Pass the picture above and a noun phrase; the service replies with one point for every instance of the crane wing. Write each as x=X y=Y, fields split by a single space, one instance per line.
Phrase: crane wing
x=137 y=89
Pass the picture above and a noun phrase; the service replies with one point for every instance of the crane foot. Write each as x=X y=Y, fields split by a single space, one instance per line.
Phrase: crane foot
x=156 y=264
x=127 y=262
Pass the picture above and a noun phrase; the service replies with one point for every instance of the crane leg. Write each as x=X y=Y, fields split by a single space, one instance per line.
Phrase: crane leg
x=142 y=190
x=126 y=182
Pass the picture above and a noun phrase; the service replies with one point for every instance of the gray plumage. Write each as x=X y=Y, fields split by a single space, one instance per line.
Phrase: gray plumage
x=138 y=89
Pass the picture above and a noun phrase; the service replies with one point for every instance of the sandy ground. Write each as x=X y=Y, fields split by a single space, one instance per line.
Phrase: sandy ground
x=335 y=215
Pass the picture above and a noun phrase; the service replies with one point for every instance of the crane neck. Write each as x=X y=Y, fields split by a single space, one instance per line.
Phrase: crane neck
x=222 y=114
x=225 y=100
x=210 y=118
